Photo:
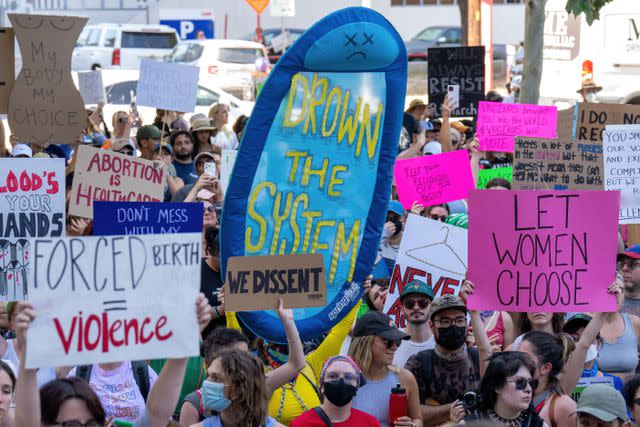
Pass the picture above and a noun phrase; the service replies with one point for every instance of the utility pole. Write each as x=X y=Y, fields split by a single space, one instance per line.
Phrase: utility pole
x=470 y=20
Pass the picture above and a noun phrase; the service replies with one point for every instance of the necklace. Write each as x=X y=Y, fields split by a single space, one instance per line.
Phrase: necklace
x=517 y=422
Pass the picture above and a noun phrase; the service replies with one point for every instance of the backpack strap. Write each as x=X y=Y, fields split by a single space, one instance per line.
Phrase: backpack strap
x=84 y=372
x=426 y=359
x=141 y=375
x=199 y=393
x=475 y=358
x=323 y=416
x=552 y=412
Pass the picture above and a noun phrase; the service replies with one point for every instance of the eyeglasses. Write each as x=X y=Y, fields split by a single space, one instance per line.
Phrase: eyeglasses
x=349 y=377
x=391 y=343
x=631 y=265
x=76 y=423
x=521 y=383
x=410 y=303
x=441 y=218
x=446 y=322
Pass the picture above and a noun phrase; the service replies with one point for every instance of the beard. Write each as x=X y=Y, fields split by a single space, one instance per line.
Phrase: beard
x=181 y=156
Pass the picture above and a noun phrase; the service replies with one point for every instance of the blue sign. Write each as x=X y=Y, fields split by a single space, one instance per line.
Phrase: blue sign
x=316 y=175
x=121 y=218
x=188 y=28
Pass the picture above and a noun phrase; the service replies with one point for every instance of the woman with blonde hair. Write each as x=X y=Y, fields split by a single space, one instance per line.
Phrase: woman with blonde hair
x=226 y=139
x=375 y=342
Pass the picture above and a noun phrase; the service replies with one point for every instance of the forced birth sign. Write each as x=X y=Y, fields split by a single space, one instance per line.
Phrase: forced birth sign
x=116 y=298
x=552 y=251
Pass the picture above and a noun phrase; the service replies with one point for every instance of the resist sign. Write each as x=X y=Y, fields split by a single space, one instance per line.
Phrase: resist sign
x=552 y=251
x=109 y=299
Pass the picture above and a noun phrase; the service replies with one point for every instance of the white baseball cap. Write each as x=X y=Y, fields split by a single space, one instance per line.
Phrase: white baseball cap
x=21 y=150
x=432 y=147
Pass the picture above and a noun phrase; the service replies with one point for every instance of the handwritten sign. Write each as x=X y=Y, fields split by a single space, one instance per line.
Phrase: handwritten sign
x=552 y=251
x=110 y=176
x=226 y=167
x=7 y=67
x=499 y=123
x=621 y=145
x=557 y=164
x=462 y=66
x=123 y=218
x=256 y=283
x=91 y=87
x=590 y=119
x=168 y=85
x=486 y=175
x=110 y=299
x=433 y=179
x=430 y=251
x=32 y=204
x=45 y=107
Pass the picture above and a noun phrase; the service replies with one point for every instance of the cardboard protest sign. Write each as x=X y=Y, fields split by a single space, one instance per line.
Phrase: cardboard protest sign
x=32 y=204
x=499 y=123
x=256 y=283
x=585 y=382
x=551 y=251
x=226 y=166
x=7 y=67
x=433 y=252
x=109 y=299
x=45 y=107
x=621 y=146
x=435 y=179
x=557 y=164
x=91 y=87
x=486 y=175
x=316 y=175
x=590 y=119
x=462 y=66
x=110 y=176
x=167 y=85
x=123 y=218
x=565 y=123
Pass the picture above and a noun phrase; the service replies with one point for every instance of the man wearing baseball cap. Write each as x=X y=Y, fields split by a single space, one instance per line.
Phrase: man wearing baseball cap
x=415 y=298
x=147 y=137
x=629 y=267
x=600 y=405
x=449 y=370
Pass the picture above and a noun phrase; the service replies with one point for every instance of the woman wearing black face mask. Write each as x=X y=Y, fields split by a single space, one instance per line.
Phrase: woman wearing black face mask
x=339 y=383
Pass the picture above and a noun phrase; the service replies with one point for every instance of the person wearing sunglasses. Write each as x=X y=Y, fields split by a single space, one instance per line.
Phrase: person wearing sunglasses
x=375 y=342
x=415 y=299
x=506 y=390
x=628 y=267
x=438 y=212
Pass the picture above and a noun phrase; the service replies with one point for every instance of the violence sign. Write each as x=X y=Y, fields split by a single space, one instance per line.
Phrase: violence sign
x=256 y=283
x=316 y=177
x=590 y=119
x=433 y=252
x=110 y=176
x=432 y=180
x=460 y=66
x=32 y=204
x=110 y=299
x=123 y=218
x=621 y=146
x=551 y=251
x=499 y=123
x=557 y=164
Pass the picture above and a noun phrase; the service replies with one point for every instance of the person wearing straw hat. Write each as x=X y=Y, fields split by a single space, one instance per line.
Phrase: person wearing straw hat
x=202 y=132
x=589 y=90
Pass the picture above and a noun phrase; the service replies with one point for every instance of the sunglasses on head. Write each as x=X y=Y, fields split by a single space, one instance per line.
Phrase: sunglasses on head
x=410 y=303
x=390 y=343
x=521 y=383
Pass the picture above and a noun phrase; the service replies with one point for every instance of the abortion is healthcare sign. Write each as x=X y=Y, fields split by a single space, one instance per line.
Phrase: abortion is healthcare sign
x=317 y=174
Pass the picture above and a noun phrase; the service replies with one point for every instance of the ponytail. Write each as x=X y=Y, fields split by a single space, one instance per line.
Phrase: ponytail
x=554 y=350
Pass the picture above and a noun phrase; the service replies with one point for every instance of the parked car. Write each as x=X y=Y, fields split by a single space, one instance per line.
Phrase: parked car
x=116 y=46
x=444 y=36
x=273 y=47
x=232 y=65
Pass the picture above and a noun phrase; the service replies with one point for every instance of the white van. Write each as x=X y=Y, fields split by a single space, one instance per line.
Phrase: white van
x=121 y=46
x=227 y=64
x=607 y=51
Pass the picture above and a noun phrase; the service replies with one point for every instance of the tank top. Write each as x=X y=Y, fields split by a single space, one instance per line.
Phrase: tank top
x=373 y=397
x=216 y=422
x=497 y=329
x=621 y=355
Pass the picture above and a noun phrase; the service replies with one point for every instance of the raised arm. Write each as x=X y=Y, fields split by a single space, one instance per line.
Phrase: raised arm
x=479 y=333
x=27 y=413
x=445 y=132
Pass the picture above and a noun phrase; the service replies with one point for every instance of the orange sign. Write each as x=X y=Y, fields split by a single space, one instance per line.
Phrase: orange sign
x=258 y=5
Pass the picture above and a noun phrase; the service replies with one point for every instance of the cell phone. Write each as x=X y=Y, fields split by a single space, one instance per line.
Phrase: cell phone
x=210 y=169
x=454 y=93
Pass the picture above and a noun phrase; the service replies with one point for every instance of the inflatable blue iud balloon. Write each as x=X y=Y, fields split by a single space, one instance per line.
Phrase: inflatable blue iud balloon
x=314 y=169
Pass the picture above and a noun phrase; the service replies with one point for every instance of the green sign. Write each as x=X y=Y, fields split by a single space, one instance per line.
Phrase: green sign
x=487 y=175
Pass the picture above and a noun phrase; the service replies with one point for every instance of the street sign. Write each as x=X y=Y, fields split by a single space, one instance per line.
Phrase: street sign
x=189 y=22
x=282 y=8
x=258 y=5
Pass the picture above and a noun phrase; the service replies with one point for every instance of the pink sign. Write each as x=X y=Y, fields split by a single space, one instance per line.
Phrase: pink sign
x=432 y=180
x=499 y=123
x=549 y=251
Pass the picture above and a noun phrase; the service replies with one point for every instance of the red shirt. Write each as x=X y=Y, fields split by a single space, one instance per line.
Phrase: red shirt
x=356 y=419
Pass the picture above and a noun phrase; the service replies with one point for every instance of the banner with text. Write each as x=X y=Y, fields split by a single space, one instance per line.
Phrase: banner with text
x=590 y=119
x=110 y=176
x=621 y=146
x=110 y=299
x=123 y=218
x=557 y=164
x=552 y=251
x=433 y=252
x=499 y=123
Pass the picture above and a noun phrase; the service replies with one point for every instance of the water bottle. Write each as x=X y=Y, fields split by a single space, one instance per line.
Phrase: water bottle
x=397 y=403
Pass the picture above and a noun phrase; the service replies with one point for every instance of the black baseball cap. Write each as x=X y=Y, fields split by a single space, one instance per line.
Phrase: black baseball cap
x=576 y=322
x=379 y=324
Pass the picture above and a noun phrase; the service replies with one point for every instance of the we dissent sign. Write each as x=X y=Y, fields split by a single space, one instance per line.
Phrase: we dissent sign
x=109 y=299
x=551 y=251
